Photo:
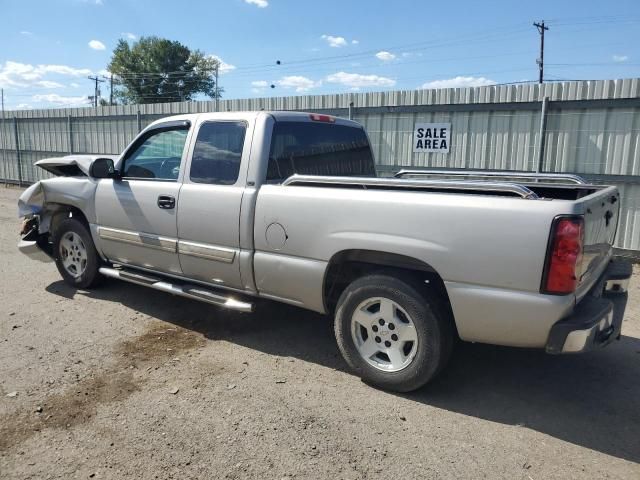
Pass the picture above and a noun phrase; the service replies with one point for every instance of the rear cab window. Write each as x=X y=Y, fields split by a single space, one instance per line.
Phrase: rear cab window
x=312 y=148
x=218 y=152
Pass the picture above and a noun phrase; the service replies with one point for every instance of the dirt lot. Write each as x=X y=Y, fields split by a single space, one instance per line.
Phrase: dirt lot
x=125 y=382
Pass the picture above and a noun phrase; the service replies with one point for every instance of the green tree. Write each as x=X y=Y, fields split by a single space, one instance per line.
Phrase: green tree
x=156 y=70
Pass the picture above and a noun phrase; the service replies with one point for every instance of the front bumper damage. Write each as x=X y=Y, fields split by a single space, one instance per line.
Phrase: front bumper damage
x=33 y=250
x=597 y=320
x=32 y=244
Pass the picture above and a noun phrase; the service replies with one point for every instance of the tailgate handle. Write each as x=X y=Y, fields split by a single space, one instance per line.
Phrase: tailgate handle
x=607 y=217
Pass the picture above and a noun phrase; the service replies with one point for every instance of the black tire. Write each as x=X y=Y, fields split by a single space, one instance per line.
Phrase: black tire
x=433 y=329
x=90 y=277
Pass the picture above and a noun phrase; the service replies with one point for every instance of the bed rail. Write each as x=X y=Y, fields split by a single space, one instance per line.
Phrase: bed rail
x=493 y=174
x=366 y=182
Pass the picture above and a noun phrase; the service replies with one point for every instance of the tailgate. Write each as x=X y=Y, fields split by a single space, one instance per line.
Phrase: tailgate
x=601 y=211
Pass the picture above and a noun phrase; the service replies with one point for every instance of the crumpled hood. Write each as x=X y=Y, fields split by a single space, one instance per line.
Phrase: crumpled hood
x=63 y=166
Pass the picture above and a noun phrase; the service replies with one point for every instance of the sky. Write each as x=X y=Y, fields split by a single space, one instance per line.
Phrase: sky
x=48 y=48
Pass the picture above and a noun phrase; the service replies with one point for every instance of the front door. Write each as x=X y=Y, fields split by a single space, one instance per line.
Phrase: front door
x=209 y=208
x=136 y=215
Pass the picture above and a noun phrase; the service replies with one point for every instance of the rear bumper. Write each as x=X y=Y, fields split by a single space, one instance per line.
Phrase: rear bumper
x=597 y=320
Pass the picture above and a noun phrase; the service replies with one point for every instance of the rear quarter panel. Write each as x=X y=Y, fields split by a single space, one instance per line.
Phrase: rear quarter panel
x=482 y=246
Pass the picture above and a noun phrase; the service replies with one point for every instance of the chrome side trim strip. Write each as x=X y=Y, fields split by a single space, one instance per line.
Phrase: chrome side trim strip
x=137 y=238
x=208 y=252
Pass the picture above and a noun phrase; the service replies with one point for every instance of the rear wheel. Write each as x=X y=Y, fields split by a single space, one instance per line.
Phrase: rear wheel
x=75 y=254
x=393 y=336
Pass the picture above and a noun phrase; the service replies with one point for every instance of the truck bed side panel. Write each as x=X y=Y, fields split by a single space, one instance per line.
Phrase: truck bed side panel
x=472 y=241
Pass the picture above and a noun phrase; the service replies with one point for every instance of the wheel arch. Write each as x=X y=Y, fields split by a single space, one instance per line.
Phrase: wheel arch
x=56 y=212
x=347 y=265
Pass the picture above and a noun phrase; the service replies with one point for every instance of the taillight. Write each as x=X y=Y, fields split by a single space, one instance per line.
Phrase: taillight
x=564 y=259
x=317 y=117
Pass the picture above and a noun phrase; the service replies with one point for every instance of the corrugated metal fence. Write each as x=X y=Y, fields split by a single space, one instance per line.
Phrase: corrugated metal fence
x=590 y=128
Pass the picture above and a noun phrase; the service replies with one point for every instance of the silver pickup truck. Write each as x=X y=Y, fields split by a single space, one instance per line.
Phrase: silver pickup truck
x=229 y=207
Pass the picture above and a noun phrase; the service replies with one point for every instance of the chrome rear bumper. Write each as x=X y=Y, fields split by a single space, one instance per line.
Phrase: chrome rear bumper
x=597 y=320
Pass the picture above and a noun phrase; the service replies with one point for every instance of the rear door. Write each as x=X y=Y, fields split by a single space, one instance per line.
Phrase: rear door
x=210 y=201
x=136 y=215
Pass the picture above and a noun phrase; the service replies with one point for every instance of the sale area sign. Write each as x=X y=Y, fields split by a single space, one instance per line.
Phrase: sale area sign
x=431 y=137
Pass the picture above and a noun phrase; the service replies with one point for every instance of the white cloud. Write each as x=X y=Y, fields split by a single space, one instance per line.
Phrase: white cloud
x=224 y=66
x=26 y=32
x=458 y=82
x=15 y=74
x=355 y=42
x=129 y=35
x=21 y=75
x=356 y=80
x=620 y=58
x=23 y=106
x=258 y=3
x=59 y=99
x=335 y=42
x=97 y=45
x=64 y=70
x=74 y=85
x=299 y=83
x=259 y=86
x=48 y=84
x=385 y=56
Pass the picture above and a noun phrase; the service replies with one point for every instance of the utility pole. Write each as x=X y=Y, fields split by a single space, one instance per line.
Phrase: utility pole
x=217 y=89
x=96 y=90
x=2 y=133
x=110 y=80
x=540 y=61
x=111 y=90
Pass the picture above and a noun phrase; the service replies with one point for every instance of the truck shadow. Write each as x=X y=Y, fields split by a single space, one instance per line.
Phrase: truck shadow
x=590 y=400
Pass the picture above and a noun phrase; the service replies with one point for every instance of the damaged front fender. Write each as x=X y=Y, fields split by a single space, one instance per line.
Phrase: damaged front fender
x=33 y=243
x=43 y=202
x=31 y=202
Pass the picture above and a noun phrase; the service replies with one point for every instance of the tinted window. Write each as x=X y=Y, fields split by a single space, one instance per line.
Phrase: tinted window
x=217 y=154
x=157 y=155
x=310 y=148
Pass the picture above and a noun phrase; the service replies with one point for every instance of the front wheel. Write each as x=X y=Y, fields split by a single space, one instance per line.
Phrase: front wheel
x=394 y=337
x=75 y=254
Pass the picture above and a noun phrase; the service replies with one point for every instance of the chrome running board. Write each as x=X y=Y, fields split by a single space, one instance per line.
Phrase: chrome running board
x=194 y=292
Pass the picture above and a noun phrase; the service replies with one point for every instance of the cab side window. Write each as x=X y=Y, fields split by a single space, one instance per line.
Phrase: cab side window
x=217 y=153
x=157 y=155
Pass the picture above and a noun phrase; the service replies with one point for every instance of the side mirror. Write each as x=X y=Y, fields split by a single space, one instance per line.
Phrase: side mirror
x=103 y=168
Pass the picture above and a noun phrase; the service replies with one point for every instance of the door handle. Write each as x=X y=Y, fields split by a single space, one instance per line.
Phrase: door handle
x=167 y=202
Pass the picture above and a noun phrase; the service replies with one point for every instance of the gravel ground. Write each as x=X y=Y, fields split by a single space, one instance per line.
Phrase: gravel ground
x=125 y=382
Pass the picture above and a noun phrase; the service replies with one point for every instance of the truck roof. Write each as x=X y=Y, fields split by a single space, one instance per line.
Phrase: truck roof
x=279 y=115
